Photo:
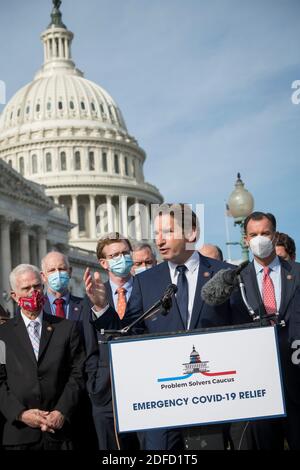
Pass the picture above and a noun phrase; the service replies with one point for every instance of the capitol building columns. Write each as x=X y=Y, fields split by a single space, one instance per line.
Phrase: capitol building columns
x=5 y=253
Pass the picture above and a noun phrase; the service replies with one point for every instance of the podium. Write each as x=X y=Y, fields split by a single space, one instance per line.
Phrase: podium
x=197 y=377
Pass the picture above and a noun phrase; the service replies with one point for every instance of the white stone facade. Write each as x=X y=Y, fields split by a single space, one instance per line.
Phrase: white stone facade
x=65 y=132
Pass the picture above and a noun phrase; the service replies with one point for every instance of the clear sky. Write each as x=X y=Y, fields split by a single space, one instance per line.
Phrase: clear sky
x=204 y=86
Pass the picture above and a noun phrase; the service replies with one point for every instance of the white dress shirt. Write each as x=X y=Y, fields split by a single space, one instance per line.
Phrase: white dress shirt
x=275 y=275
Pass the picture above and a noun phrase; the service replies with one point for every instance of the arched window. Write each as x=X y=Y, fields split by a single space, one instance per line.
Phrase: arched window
x=34 y=164
x=104 y=162
x=63 y=161
x=91 y=161
x=117 y=166
x=77 y=161
x=126 y=166
x=133 y=169
x=21 y=166
x=48 y=162
x=81 y=218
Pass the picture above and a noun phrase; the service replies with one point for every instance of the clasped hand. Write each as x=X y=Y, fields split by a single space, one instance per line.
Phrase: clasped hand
x=47 y=421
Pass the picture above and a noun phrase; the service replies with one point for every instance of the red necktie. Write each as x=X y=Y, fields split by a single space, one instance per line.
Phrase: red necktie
x=268 y=293
x=121 y=306
x=59 y=311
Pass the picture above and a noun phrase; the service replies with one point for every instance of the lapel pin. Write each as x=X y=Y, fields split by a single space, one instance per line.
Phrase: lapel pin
x=76 y=309
x=49 y=328
x=289 y=277
x=206 y=274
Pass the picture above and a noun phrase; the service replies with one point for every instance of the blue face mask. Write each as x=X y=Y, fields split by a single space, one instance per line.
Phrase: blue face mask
x=59 y=281
x=121 y=267
x=140 y=270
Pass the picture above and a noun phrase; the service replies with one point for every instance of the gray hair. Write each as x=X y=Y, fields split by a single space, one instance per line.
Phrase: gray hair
x=21 y=269
x=143 y=246
x=44 y=260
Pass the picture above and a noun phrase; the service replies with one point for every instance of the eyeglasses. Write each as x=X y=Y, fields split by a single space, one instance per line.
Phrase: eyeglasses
x=116 y=256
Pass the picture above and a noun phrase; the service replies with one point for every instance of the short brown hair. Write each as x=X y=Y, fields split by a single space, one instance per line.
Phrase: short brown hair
x=182 y=213
x=259 y=216
x=109 y=239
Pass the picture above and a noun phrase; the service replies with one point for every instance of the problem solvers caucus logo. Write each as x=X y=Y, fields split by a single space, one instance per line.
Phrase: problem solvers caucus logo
x=196 y=366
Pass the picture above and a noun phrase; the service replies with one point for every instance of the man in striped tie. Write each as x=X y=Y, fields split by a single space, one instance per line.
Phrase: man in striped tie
x=42 y=380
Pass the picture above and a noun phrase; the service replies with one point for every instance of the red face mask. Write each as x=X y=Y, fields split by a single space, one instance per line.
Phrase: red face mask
x=33 y=303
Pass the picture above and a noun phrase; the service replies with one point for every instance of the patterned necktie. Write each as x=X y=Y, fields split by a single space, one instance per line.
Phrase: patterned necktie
x=121 y=306
x=59 y=311
x=268 y=293
x=34 y=335
x=182 y=296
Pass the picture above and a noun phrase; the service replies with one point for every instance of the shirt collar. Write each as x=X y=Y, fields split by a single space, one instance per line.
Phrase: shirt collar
x=27 y=320
x=52 y=297
x=127 y=285
x=192 y=263
x=274 y=266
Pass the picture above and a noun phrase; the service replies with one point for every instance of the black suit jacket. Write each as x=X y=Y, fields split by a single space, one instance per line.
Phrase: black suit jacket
x=54 y=382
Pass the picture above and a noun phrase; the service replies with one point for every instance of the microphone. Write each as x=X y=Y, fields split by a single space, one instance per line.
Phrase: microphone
x=220 y=287
x=166 y=300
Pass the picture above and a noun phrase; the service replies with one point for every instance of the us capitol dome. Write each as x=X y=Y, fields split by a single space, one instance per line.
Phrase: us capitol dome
x=67 y=133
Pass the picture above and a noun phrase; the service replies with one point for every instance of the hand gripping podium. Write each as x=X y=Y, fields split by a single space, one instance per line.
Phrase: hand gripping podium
x=197 y=377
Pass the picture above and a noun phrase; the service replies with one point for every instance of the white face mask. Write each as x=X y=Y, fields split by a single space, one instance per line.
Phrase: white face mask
x=261 y=246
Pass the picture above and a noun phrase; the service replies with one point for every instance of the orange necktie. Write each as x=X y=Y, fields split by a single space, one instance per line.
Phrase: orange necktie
x=121 y=306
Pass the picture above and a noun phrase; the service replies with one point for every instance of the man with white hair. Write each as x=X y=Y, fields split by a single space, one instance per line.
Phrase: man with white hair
x=56 y=274
x=143 y=258
x=42 y=380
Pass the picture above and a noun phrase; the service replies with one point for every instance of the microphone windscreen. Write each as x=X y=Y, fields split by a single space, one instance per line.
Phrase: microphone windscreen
x=216 y=291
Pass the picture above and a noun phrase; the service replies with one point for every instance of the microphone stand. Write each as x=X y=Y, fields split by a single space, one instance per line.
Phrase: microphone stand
x=251 y=312
x=165 y=303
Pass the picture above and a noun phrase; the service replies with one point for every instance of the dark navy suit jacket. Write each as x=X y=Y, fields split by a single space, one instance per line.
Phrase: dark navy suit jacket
x=289 y=311
x=149 y=286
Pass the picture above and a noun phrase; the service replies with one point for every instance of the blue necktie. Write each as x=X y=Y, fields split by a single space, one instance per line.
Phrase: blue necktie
x=183 y=294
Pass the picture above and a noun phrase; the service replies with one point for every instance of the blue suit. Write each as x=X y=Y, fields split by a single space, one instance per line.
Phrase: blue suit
x=83 y=428
x=149 y=287
x=99 y=388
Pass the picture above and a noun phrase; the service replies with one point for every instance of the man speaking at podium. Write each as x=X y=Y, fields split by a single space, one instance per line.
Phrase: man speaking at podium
x=176 y=233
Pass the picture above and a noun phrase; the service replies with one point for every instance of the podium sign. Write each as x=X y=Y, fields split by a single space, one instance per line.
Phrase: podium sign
x=191 y=379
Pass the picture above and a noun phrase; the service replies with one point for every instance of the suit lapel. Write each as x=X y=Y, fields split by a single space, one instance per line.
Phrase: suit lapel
x=205 y=273
x=109 y=294
x=288 y=278
x=252 y=290
x=47 y=331
x=47 y=307
x=23 y=337
x=74 y=309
